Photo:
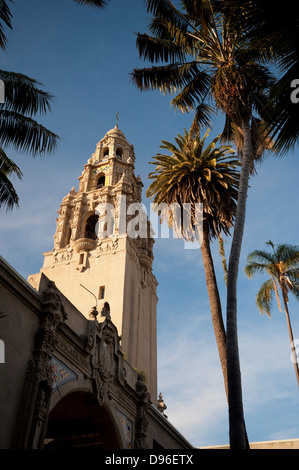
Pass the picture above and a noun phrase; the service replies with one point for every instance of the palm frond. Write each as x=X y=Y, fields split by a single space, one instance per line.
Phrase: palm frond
x=289 y=255
x=23 y=95
x=194 y=174
x=167 y=78
x=295 y=290
x=5 y=20
x=8 y=196
x=293 y=275
x=275 y=33
x=202 y=118
x=192 y=93
x=260 y=256
x=281 y=111
x=163 y=29
x=164 y=9
x=93 y=3
x=201 y=12
x=25 y=134
x=253 y=267
x=7 y=166
x=264 y=297
x=156 y=49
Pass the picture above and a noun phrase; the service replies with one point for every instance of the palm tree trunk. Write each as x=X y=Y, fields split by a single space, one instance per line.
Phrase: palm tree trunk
x=294 y=356
x=215 y=303
x=237 y=431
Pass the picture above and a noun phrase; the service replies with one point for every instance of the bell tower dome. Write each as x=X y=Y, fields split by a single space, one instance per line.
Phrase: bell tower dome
x=96 y=260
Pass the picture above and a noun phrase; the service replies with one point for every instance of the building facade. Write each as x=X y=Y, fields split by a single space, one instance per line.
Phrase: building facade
x=65 y=382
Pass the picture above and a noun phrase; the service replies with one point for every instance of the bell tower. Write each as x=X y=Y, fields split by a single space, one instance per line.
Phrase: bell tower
x=102 y=256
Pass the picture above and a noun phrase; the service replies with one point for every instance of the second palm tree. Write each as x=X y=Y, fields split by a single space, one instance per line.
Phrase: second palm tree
x=208 y=175
x=282 y=265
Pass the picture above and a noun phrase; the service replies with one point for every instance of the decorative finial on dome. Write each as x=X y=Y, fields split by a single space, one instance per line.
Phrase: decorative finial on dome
x=117 y=119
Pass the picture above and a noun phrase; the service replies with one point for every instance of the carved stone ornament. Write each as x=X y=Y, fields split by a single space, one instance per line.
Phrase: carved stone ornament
x=52 y=314
x=141 y=422
x=104 y=361
x=106 y=311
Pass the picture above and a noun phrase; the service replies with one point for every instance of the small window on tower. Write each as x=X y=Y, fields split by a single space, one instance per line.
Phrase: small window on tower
x=102 y=292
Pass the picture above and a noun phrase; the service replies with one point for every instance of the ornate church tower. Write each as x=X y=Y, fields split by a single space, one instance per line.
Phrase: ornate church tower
x=96 y=260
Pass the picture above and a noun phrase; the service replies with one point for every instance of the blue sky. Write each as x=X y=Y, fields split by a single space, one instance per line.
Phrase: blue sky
x=83 y=57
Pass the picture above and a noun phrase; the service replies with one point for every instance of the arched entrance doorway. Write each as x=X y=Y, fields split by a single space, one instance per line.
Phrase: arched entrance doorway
x=78 y=421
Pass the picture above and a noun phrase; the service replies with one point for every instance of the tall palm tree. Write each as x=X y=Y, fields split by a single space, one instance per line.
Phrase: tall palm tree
x=202 y=59
x=282 y=267
x=192 y=174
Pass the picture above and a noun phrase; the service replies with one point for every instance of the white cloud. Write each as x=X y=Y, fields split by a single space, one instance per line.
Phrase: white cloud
x=190 y=379
x=191 y=382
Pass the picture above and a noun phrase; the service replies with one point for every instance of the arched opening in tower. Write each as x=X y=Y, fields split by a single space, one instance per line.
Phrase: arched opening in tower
x=90 y=227
x=119 y=153
x=106 y=152
x=101 y=182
